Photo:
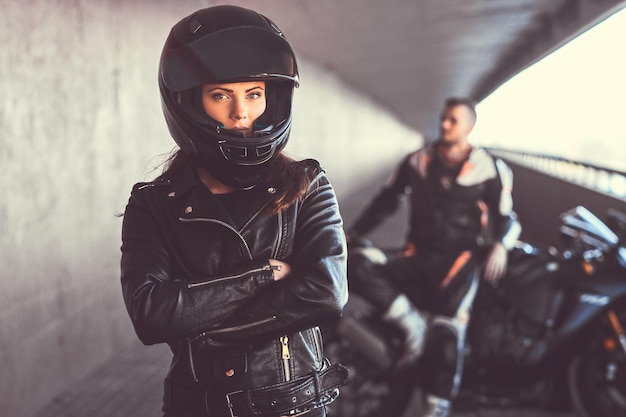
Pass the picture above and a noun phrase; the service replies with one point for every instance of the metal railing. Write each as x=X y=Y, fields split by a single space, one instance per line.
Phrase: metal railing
x=603 y=180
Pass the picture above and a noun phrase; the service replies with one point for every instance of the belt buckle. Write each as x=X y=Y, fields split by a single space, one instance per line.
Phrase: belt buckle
x=230 y=404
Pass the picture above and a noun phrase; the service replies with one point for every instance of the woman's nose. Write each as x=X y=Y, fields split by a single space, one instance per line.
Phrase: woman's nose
x=238 y=111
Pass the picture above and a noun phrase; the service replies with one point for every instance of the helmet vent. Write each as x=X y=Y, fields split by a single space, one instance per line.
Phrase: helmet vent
x=236 y=151
x=263 y=150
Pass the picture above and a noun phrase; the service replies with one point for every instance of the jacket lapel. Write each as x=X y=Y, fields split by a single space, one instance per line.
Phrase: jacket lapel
x=190 y=199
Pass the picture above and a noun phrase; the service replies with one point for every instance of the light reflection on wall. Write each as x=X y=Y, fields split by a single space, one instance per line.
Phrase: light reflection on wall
x=596 y=178
x=569 y=104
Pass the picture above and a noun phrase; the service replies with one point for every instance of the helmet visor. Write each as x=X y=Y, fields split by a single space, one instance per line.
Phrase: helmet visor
x=230 y=55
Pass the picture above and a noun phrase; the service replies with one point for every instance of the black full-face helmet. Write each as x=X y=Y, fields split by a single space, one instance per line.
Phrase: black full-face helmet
x=218 y=45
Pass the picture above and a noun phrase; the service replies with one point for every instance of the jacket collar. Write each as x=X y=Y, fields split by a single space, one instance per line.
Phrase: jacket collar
x=191 y=199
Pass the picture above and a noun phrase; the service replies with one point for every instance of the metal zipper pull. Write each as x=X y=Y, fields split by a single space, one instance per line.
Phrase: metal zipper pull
x=286 y=356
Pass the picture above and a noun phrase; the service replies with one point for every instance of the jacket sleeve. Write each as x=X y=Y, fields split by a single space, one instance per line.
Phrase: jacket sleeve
x=316 y=288
x=384 y=204
x=506 y=227
x=161 y=306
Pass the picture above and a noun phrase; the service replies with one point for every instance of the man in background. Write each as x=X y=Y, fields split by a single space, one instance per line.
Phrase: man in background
x=461 y=217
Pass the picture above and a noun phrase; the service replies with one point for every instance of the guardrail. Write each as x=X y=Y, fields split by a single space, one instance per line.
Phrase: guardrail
x=603 y=180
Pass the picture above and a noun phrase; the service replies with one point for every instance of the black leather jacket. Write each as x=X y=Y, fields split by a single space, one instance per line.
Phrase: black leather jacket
x=198 y=278
x=466 y=208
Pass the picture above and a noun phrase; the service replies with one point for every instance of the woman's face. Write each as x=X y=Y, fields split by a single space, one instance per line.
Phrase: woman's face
x=235 y=105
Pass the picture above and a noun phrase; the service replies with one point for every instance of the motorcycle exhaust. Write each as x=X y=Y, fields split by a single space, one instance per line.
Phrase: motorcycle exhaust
x=368 y=343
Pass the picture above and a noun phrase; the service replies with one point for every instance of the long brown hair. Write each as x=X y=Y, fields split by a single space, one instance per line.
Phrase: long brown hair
x=289 y=176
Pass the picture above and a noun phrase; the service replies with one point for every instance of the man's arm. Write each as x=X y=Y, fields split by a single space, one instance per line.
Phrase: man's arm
x=506 y=226
x=384 y=204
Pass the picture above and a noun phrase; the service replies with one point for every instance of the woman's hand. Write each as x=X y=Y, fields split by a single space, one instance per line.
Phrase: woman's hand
x=281 y=269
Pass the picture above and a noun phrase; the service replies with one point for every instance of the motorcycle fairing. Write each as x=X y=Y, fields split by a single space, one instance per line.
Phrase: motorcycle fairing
x=586 y=297
x=554 y=299
x=530 y=285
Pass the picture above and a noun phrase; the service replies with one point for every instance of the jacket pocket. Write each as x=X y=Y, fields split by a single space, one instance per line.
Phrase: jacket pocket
x=230 y=366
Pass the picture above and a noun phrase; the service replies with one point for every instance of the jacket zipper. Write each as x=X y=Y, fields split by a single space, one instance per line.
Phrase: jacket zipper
x=229 y=277
x=286 y=356
x=280 y=236
x=191 y=365
x=234 y=328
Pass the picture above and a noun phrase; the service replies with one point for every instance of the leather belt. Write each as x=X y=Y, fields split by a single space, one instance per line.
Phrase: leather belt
x=273 y=400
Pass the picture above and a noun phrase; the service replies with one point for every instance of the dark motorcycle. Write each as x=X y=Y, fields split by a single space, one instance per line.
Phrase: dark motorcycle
x=551 y=332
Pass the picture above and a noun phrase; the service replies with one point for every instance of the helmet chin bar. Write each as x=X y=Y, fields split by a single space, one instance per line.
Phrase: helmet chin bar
x=255 y=150
x=247 y=155
x=234 y=175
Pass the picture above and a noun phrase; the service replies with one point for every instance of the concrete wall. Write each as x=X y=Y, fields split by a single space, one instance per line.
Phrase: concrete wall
x=80 y=122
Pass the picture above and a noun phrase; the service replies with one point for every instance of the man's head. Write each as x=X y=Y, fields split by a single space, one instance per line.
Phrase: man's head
x=457 y=120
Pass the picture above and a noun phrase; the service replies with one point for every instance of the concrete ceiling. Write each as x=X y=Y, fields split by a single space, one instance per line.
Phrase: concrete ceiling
x=408 y=55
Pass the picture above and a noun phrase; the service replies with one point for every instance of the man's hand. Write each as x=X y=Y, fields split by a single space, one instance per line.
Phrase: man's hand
x=281 y=269
x=495 y=264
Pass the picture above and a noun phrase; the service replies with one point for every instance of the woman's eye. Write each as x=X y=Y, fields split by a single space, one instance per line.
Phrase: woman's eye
x=218 y=96
x=254 y=95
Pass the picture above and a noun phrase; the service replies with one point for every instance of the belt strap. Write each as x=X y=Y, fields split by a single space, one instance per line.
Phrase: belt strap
x=272 y=400
x=281 y=398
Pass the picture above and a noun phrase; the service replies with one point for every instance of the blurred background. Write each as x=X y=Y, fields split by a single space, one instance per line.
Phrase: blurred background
x=80 y=123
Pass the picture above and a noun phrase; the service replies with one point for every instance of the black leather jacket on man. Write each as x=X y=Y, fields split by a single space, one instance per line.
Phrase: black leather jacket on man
x=198 y=278
x=451 y=209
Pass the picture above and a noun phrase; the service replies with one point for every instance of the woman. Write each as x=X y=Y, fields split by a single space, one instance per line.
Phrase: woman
x=235 y=253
